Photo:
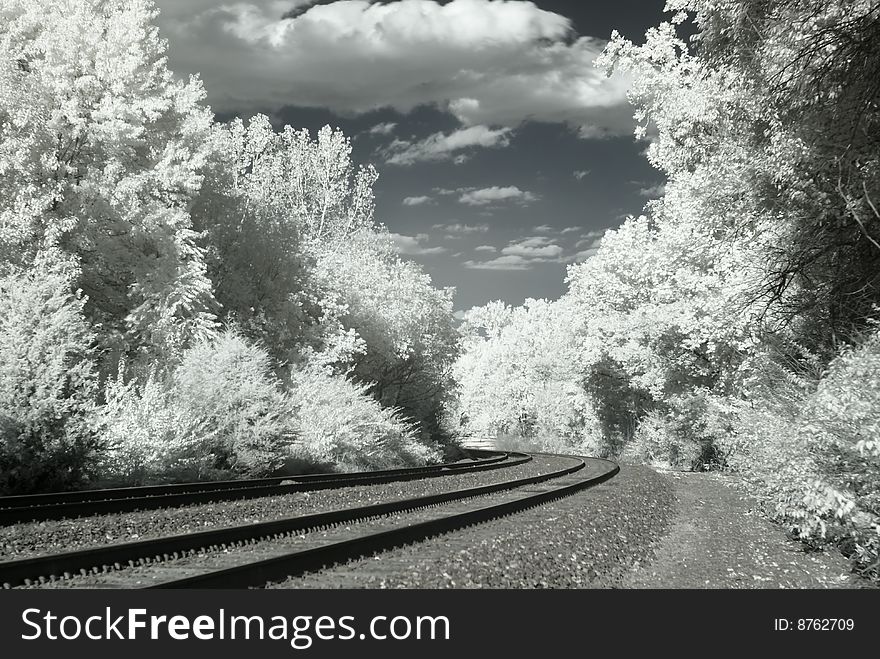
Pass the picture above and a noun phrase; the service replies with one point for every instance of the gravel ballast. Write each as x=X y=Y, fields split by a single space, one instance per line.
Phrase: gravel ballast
x=37 y=538
x=641 y=529
x=202 y=562
x=592 y=538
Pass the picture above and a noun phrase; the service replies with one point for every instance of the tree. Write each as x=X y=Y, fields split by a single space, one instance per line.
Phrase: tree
x=300 y=264
x=101 y=155
x=404 y=325
x=519 y=373
x=766 y=125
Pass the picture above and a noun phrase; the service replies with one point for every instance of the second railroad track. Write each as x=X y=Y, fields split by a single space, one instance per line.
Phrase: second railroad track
x=254 y=554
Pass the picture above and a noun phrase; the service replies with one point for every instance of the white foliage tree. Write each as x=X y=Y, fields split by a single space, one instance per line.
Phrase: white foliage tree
x=100 y=153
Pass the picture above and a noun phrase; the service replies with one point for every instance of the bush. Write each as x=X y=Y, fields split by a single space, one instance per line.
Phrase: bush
x=807 y=445
x=47 y=383
x=842 y=419
x=685 y=434
x=144 y=432
x=220 y=412
x=339 y=422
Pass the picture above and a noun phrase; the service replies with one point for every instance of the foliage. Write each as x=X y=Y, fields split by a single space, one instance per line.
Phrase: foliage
x=301 y=266
x=518 y=376
x=269 y=203
x=404 y=326
x=210 y=260
x=220 y=412
x=687 y=432
x=339 y=422
x=100 y=154
x=48 y=383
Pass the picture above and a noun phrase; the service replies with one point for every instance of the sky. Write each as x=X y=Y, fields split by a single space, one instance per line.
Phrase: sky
x=503 y=154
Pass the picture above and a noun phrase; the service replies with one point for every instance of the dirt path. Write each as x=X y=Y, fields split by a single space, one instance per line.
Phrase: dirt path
x=718 y=540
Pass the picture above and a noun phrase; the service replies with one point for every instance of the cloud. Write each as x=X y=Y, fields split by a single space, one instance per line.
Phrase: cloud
x=485 y=248
x=587 y=246
x=496 y=194
x=462 y=229
x=654 y=191
x=417 y=201
x=546 y=228
x=536 y=247
x=413 y=245
x=443 y=146
x=501 y=263
x=521 y=254
x=488 y=62
x=580 y=173
x=383 y=129
x=583 y=255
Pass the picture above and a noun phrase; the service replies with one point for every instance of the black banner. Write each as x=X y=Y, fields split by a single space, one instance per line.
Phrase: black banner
x=132 y=624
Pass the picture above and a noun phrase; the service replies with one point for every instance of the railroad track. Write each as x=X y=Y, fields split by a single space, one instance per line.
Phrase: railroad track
x=259 y=553
x=60 y=505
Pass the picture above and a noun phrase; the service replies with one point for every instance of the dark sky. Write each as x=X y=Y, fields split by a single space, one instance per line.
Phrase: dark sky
x=502 y=153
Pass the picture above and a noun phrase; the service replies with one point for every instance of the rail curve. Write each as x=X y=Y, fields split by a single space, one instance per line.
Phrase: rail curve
x=580 y=473
x=60 y=505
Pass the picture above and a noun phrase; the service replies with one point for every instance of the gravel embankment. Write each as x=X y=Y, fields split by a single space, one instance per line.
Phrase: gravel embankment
x=591 y=539
x=37 y=538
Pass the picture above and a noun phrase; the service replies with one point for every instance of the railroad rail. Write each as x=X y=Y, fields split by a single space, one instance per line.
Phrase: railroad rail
x=60 y=505
x=274 y=549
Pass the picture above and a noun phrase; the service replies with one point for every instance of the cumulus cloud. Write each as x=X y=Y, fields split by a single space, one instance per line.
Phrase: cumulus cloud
x=445 y=146
x=590 y=238
x=488 y=62
x=415 y=245
x=587 y=246
x=459 y=228
x=495 y=194
x=653 y=191
x=521 y=254
x=583 y=255
x=546 y=228
x=510 y=262
x=383 y=129
x=536 y=247
x=417 y=201
x=526 y=253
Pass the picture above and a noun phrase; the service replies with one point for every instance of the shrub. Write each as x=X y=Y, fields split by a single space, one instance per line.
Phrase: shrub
x=143 y=430
x=842 y=420
x=339 y=422
x=47 y=382
x=685 y=433
x=220 y=411
x=806 y=445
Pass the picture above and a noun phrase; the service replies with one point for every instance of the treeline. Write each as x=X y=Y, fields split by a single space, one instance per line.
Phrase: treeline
x=735 y=325
x=182 y=298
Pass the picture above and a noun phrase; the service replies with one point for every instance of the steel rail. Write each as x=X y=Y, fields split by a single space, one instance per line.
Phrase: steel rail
x=262 y=572
x=39 y=507
x=116 y=556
